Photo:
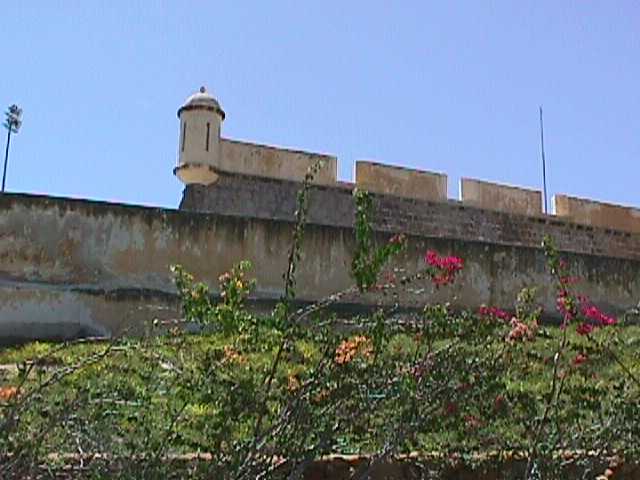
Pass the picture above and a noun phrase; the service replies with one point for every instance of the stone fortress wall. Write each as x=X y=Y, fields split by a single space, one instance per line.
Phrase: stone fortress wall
x=73 y=267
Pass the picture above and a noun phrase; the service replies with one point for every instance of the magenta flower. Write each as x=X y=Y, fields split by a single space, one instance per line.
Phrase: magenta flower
x=494 y=312
x=446 y=267
x=584 y=329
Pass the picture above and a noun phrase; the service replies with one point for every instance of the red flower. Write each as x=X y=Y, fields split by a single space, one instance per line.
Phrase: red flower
x=472 y=422
x=451 y=408
x=494 y=312
x=580 y=359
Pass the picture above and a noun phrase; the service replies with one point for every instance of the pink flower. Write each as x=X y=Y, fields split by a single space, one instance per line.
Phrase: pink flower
x=567 y=280
x=447 y=267
x=570 y=306
x=493 y=312
x=431 y=258
x=565 y=306
x=584 y=329
x=398 y=239
x=594 y=313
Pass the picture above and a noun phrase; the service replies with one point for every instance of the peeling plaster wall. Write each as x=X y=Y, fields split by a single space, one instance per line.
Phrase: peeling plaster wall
x=76 y=267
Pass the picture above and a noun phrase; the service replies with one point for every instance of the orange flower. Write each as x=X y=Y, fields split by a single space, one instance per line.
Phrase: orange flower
x=348 y=349
x=521 y=330
x=7 y=393
x=231 y=355
x=293 y=383
x=321 y=396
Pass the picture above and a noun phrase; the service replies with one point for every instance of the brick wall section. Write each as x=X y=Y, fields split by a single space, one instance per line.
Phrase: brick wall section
x=257 y=197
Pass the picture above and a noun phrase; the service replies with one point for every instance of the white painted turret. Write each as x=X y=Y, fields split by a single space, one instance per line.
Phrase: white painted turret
x=199 y=147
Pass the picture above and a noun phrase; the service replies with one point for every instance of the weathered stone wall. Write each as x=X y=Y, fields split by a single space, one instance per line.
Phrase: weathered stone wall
x=257 y=197
x=72 y=267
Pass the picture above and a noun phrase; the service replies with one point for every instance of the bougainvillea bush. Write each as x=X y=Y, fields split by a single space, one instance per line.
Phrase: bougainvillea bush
x=263 y=396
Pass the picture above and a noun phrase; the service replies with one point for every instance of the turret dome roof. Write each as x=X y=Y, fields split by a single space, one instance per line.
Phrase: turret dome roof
x=202 y=100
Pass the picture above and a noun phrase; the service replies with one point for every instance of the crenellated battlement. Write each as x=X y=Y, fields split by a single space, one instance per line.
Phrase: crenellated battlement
x=257 y=160
x=204 y=157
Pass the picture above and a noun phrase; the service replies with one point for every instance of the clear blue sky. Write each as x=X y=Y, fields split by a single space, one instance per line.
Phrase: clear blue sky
x=444 y=86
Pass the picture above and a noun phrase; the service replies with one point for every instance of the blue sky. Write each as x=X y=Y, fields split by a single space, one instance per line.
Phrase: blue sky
x=445 y=86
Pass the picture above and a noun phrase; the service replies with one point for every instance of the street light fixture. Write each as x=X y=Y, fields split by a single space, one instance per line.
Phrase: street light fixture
x=12 y=123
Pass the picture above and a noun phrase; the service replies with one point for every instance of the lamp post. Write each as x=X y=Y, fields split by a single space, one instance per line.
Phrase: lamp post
x=12 y=123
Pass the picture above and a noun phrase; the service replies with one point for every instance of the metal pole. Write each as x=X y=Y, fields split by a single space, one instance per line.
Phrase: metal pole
x=544 y=163
x=6 y=158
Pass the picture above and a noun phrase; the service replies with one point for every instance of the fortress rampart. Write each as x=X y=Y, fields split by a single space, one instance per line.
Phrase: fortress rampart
x=79 y=267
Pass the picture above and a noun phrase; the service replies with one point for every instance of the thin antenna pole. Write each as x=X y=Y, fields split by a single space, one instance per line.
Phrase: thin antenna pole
x=6 y=159
x=544 y=163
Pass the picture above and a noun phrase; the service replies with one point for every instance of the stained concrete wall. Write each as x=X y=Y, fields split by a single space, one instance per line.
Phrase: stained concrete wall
x=71 y=267
x=597 y=214
x=399 y=181
x=506 y=198
x=275 y=162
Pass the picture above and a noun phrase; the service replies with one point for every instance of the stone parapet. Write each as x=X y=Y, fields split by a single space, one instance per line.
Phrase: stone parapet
x=505 y=198
x=274 y=162
x=597 y=214
x=401 y=182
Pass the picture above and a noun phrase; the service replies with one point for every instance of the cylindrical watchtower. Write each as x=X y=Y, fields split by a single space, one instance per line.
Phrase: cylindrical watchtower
x=199 y=147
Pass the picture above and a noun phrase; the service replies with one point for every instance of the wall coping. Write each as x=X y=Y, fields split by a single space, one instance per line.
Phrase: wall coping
x=26 y=199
